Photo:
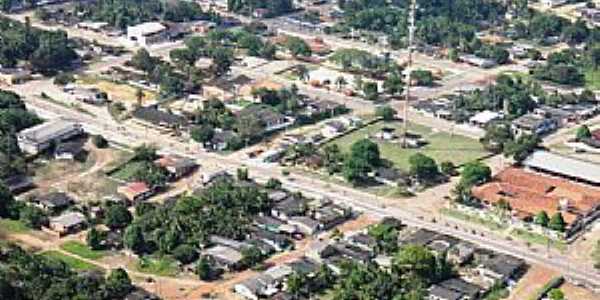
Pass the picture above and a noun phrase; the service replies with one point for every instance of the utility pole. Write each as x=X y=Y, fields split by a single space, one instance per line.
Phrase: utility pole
x=411 y=37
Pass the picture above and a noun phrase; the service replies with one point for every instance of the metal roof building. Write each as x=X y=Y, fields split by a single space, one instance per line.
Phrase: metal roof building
x=555 y=164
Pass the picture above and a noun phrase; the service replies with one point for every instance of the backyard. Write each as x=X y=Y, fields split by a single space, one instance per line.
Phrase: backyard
x=74 y=263
x=441 y=146
x=82 y=250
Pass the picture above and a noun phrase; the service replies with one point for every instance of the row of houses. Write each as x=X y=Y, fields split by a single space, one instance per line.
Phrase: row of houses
x=542 y=120
x=485 y=268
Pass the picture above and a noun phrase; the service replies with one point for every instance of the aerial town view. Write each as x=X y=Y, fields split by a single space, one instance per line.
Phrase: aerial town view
x=300 y=149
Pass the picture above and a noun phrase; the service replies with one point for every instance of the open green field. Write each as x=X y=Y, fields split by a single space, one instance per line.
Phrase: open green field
x=539 y=239
x=592 y=79
x=164 y=266
x=12 y=226
x=442 y=146
x=82 y=250
x=72 y=262
x=127 y=171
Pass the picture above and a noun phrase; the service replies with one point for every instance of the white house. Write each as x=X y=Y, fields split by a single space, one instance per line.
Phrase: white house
x=146 y=34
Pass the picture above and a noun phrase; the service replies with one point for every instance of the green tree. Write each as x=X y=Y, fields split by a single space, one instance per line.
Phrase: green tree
x=204 y=269
x=367 y=151
x=33 y=217
x=202 y=134
x=297 y=47
x=117 y=216
x=415 y=259
x=370 y=90
x=522 y=147
x=133 y=239
x=94 y=239
x=273 y=183
x=556 y=294
x=6 y=200
x=474 y=173
x=185 y=254
x=423 y=167
x=453 y=55
x=557 y=222
x=541 y=218
x=99 y=141
x=251 y=256
x=448 y=168
x=386 y=112
x=394 y=84
x=583 y=133
x=118 y=284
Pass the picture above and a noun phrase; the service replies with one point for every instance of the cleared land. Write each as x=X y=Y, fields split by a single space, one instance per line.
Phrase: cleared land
x=72 y=262
x=82 y=250
x=116 y=91
x=164 y=266
x=441 y=145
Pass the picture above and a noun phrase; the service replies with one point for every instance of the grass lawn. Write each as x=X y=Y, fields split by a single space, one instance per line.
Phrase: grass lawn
x=490 y=224
x=72 y=262
x=592 y=79
x=12 y=226
x=127 y=171
x=82 y=250
x=164 y=266
x=539 y=239
x=442 y=146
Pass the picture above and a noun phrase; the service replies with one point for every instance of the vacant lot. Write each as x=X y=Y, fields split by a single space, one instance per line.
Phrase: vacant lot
x=8 y=226
x=163 y=266
x=575 y=292
x=441 y=145
x=118 y=92
x=82 y=250
x=72 y=262
x=127 y=171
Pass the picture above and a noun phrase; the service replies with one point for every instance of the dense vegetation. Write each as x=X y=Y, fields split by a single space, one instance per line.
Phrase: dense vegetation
x=274 y=7
x=123 y=13
x=225 y=209
x=14 y=117
x=46 y=51
x=27 y=277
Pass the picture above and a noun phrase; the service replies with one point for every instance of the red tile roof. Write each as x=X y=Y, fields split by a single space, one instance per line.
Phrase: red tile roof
x=529 y=193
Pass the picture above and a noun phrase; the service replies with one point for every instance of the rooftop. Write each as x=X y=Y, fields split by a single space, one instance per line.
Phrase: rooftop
x=48 y=130
x=69 y=219
x=564 y=166
x=529 y=193
x=147 y=28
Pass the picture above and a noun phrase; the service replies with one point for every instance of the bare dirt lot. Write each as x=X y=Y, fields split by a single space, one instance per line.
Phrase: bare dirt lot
x=534 y=279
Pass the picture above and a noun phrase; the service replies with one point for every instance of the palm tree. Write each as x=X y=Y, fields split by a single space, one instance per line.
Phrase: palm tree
x=139 y=95
x=340 y=82
x=303 y=73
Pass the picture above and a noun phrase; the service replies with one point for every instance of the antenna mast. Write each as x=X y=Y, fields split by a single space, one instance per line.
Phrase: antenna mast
x=411 y=37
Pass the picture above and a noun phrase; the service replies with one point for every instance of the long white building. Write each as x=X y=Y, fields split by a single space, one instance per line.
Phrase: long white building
x=38 y=138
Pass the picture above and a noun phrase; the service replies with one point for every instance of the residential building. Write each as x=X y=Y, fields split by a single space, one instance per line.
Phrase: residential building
x=53 y=202
x=278 y=241
x=500 y=269
x=68 y=150
x=468 y=290
x=530 y=124
x=552 y=3
x=39 y=138
x=67 y=223
x=18 y=184
x=290 y=207
x=147 y=34
x=226 y=257
x=256 y=287
x=177 y=166
x=305 y=225
x=461 y=253
x=12 y=76
x=221 y=140
x=333 y=128
x=474 y=60
x=483 y=118
x=225 y=89
x=437 y=292
x=271 y=119
x=156 y=118
x=136 y=191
